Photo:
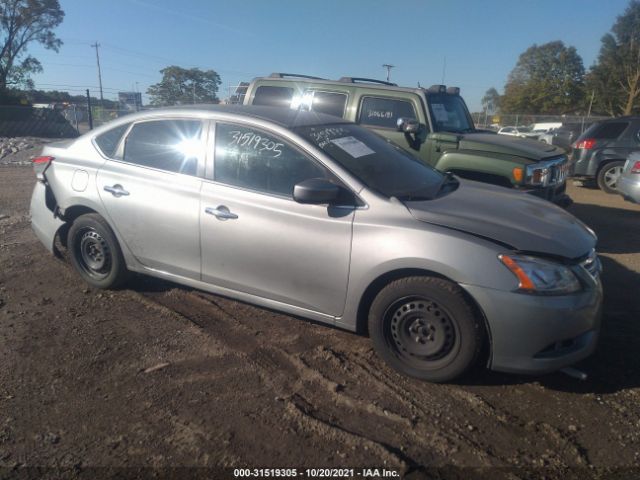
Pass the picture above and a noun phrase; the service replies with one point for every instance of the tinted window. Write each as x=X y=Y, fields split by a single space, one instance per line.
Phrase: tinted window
x=384 y=112
x=251 y=158
x=609 y=131
x=171 y=145
x=449 y=113
x=377 y=162
x=109 y=140
x=273 y=96
x=329 y=103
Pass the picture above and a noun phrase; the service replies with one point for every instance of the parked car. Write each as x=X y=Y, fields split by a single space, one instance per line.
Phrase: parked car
x=600 y=152
x=522 y=132
x=629 y=182
x=435 y=125
x=317 y=217
x=563 y=136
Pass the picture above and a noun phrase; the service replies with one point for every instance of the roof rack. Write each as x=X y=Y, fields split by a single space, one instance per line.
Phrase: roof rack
x=282 y=75
x=365 y=80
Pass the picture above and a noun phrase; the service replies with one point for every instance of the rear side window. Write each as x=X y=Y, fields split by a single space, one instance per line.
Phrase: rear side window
x=329 y=103
x=384 y=112
x=273 y=96
x=108 y=141
x=171 y=145
x=609 y=131
x=257 y=160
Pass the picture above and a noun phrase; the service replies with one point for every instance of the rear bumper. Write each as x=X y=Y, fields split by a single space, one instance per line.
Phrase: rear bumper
x=43 y=222
x=629 y=188
x=535 y=334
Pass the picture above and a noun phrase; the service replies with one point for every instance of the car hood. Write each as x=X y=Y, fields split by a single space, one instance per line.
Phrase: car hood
x=517 y=219
x=509 y=145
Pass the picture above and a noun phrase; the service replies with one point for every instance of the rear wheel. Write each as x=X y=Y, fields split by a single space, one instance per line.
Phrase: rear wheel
x=425 y=328
x=608 y=176
x=95 y=252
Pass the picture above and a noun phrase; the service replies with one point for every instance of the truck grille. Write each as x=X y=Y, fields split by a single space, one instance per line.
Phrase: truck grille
x=558 y=170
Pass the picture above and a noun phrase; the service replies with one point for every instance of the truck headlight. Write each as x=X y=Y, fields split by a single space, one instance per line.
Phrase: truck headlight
x=539 y=276
x=537 y=175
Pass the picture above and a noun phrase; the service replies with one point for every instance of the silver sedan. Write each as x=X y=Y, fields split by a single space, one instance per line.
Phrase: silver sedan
x=314 y=216
x=628 y=183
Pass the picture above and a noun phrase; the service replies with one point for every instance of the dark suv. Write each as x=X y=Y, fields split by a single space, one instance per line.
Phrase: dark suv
x=600 y=152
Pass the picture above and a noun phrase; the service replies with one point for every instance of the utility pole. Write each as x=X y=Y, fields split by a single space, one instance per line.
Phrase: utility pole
x=96 y=46
x=388 y=67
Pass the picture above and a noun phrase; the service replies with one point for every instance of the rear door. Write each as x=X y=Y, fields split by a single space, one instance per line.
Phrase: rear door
x=151 y=191
x=257 y=239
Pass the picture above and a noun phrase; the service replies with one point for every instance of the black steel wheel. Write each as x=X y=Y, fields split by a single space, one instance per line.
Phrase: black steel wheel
x=95 y=252
x=425 y=328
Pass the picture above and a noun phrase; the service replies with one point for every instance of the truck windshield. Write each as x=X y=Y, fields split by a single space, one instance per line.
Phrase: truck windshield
x=449 y=113
x=379 y=164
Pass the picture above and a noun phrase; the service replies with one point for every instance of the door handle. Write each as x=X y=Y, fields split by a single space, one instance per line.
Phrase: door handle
x=116 y=190
x=221 y=213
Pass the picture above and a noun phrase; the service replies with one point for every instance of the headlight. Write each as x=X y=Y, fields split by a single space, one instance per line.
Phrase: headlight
x=536 y=275
x=537 y=175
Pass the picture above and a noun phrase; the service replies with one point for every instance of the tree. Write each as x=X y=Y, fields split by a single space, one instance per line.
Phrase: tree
x=491 y=101
x=615 y=78
x=548 y=79
x=181 y=86
x=23 y=22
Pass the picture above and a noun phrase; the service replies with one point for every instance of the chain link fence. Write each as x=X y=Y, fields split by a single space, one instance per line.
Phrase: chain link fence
x=496 y=121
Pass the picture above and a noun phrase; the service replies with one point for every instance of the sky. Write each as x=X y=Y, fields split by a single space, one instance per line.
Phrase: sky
x=472 y=44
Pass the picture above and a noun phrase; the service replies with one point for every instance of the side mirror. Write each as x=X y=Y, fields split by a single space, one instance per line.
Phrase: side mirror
x=408 y=125
x=315 y=191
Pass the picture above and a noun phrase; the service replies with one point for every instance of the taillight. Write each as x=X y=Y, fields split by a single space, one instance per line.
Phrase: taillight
x=636 y=167
x=586 y=144
x=40 y=164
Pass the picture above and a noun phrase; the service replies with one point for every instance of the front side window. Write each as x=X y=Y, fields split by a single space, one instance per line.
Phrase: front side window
x=384 y=112
x=108 y=141
x=171 y=145
x=257 y=160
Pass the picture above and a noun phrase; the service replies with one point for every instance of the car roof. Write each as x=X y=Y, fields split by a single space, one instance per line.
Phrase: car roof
x=286 y=117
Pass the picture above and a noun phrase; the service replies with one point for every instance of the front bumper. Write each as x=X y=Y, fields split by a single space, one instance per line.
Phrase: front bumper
x=554 y=193
x=539 y=334
x=629 y=187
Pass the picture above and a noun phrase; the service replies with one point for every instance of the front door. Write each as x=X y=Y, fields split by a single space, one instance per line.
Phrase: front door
x=256 y=239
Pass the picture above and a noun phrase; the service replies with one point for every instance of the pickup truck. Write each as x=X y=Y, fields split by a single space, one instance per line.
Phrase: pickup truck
x=433 y=123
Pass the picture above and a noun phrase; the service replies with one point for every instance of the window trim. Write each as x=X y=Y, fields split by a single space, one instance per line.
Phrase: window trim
x=378 y=127
x=116 y=150
x=200 y=170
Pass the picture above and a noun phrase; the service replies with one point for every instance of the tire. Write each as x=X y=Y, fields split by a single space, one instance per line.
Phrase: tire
x=425 y=328
x=95 y=252
x=608 y=176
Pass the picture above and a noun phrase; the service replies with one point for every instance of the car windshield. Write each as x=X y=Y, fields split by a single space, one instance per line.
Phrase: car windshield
x=449 y=113
x=379 y=164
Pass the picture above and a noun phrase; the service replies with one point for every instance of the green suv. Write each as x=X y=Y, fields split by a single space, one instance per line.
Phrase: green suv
x=432 y=123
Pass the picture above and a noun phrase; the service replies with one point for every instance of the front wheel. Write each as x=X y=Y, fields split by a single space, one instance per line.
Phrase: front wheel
x=95 y=252
x=608 y=176
x=425 y=328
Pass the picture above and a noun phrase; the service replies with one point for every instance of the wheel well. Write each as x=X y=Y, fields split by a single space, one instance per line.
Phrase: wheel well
x=70 y=214
x=605 y=162
x=383 y=280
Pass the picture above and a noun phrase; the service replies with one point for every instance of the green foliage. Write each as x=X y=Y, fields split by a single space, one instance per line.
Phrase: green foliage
x=180 y=86
x=23 y=22
x=548 y=79
x=615 y=78
x=491 y=101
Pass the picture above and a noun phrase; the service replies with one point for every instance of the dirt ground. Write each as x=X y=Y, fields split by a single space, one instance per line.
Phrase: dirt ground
x=157 y=379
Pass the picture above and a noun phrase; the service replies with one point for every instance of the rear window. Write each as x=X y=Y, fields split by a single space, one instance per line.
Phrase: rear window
x=108 y=141
x=384 y=112
x=607 y=131
x=273 y=96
